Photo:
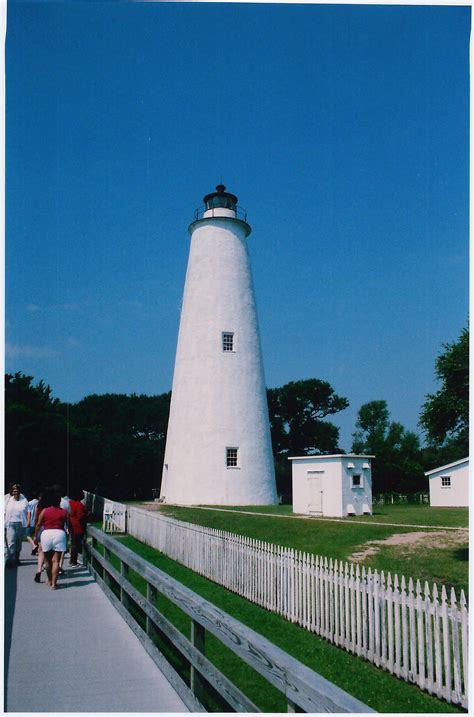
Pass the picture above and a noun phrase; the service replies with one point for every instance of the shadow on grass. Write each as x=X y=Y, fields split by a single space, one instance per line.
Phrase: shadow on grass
x=461 y=554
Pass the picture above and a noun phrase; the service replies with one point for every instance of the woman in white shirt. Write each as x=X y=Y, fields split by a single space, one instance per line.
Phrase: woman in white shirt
x=31 y=521
x=16 y=509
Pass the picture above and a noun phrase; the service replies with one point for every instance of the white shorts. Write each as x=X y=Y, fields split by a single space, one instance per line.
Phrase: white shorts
x=53 y=539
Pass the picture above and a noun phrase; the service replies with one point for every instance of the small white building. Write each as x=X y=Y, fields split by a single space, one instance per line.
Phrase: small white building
x=332 y=486
x=449 y=485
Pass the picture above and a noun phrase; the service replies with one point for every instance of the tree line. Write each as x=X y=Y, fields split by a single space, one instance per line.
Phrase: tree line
x=113 y=444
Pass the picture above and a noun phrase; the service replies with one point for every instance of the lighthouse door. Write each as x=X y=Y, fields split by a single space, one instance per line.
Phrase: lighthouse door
x=315 y=492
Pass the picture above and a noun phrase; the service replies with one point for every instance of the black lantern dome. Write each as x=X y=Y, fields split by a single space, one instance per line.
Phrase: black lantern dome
x=221 y=206
x=220 y=198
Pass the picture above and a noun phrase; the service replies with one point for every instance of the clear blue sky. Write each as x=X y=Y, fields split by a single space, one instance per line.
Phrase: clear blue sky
x=343 y=130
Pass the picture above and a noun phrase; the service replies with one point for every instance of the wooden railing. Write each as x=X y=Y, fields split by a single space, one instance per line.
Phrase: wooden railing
x=304 y=689
x=419 y=635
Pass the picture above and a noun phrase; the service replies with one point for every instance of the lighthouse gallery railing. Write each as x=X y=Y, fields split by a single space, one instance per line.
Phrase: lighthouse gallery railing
x=199 y=212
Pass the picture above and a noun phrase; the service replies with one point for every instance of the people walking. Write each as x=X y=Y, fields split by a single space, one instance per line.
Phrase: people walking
x=16 y=508
x=53 y=538
x=42 y=504
x=65 y=500
x=31 y=519
x=77 y=519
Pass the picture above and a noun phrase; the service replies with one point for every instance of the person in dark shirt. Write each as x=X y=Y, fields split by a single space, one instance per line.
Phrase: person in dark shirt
x=77 y=525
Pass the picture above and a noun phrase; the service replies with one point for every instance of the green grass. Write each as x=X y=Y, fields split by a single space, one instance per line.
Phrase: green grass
x=378 y=689
x=428 y=561
x=418 y=515
x=422 y=515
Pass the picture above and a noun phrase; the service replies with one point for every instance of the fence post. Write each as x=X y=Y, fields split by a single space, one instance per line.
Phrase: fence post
x=198 y=640
x=437 y=644
x=398 y=639
x=151 y=593
x=376 y=619
x=107 y=556
x=326 y=600
x=322 y=624
x=405 y=644
x=293 y=707
x=358 y=607
x=352 y=608
x=464 y=639
x=411 y=608
x=337 y=603
x=446 y=645
x=365 y=617
x=455 y=647
x=429 y=640
x=124 y=574
x=383 y=621
x=390 y=642
x=331 y=600
x=371 y=616
x=85 y=550
x=421 y=636
x=347 y=607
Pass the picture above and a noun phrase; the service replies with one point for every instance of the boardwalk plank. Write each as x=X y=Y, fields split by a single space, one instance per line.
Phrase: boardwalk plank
x=92 y=645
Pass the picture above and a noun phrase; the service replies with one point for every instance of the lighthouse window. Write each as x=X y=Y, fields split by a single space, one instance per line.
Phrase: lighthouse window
x=357 y=480
x=227 y=341
x=231 y=457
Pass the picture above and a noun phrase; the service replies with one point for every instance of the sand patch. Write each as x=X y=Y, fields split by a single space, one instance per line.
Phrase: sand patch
x=412 y=541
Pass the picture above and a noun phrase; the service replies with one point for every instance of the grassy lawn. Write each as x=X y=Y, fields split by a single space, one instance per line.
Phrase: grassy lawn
x=418 y=515
x=378 y=689
x=442 y=559
x=422 y=515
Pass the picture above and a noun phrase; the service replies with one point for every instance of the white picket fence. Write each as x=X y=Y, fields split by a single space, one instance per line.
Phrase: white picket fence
x=114 y=518
x=419 y=635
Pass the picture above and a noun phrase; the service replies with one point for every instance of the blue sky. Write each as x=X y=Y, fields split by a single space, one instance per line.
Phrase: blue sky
x=344 y=131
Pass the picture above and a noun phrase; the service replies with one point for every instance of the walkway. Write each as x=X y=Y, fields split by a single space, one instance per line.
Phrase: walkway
x=70 y=651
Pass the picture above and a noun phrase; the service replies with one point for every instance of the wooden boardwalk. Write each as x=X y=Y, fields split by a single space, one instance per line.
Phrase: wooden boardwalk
x=70 y=651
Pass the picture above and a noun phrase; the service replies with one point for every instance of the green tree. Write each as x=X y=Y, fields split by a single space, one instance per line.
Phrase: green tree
x=35 y=433
x=445 y=414
x=297 y=411
x=397 y=464
x=112 y=444
x=119 y=443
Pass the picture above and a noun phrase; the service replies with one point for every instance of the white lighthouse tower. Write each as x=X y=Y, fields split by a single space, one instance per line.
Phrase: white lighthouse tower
x=218 y=447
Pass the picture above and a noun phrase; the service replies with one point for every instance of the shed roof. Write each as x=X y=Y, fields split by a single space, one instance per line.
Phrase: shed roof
x=449 y=465
x=323 y=457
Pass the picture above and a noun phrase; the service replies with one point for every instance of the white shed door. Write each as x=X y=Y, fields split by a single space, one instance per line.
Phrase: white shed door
x=315 y=493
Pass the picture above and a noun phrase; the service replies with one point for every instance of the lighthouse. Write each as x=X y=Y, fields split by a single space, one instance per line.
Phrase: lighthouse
x=218 y=447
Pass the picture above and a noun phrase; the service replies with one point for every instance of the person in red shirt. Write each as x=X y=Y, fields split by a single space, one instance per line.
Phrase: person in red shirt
x=53 y=520
x=77 y=518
